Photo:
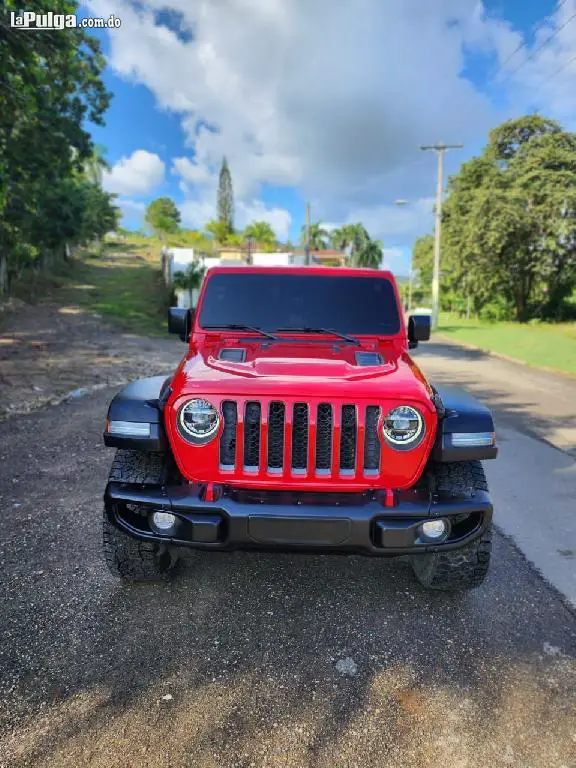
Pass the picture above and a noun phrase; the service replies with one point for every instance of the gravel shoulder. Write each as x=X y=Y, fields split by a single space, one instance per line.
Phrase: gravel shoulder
x=247 y=659
x=49 y=352
x=252 y=659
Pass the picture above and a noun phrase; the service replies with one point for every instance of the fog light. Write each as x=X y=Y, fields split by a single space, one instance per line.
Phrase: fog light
x=434 y=530
x=163 y=521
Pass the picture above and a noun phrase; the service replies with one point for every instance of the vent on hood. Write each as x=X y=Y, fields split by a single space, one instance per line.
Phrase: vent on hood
x=368 y=358
x=233 y=354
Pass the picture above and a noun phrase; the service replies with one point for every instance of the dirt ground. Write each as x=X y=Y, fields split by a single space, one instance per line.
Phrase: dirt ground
x=50 y=353
x=250 y=659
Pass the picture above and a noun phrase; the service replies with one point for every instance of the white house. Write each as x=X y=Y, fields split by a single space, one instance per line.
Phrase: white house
x=177 y=260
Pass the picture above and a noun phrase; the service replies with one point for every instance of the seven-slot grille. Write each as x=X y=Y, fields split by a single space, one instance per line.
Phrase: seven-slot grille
x=300 y=439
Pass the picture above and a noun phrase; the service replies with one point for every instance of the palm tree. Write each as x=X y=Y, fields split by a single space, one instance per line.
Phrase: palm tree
x=190 y=279
x=261 y=233
x=370 y=256
x=342 y=237
x=360 y=239
x=319 y=237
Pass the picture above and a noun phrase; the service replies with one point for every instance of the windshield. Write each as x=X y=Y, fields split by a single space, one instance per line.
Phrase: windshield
x=349 y=305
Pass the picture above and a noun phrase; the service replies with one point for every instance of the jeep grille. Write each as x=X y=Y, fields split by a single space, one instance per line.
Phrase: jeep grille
x=300 y=439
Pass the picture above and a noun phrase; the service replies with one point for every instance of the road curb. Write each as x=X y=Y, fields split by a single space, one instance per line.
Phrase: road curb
x=502 y=356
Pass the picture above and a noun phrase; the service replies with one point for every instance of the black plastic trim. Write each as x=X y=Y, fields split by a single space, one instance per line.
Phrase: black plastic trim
x=362 y=523
x=141 y=401
x=156 y=442
x=462 y=414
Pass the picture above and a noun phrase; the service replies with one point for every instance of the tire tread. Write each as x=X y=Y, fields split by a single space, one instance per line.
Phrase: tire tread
x=128 y=558
x=463 y=568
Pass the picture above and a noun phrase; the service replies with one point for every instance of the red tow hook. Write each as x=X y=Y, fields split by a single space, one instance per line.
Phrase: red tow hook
x=211 y=492
x=389 y=498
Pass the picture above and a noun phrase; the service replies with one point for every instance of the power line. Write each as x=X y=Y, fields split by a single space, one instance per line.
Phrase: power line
x=534 y=29
x=537 y=50
x=557 y=72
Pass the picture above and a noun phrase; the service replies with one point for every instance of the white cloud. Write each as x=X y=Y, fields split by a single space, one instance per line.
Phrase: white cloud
x=334 y=98
x=392 y=221
x=542 y=75
x=130 y=206
x=135 y=175
x=195 y=214
x=278 y=218
x=193 y=172
x=394 y=259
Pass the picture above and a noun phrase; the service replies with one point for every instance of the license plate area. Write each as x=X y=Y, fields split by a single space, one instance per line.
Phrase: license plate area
x=298 y=531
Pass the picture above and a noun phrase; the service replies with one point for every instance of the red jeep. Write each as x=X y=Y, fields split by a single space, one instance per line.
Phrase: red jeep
x=297 y=421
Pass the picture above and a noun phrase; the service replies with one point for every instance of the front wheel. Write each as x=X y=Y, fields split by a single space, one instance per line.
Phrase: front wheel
x=131 y=559
x=463 y=568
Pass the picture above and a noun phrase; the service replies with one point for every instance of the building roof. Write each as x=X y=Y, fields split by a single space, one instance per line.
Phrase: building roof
x=323 y=252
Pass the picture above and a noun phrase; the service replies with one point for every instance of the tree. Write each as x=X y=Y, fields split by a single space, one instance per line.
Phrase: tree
x=352 y=239
x=191 y=279
x=163 y=217
x=509 y=222
x=506 y=140
x=423 y=258
x=371 y=255
x=261 y=233
x=360 y=240
x=100 y=215
x=319 y=237
x=51 y=85
x=219 y=231
x=235 y=240
x=342 y=237
x=225 y=199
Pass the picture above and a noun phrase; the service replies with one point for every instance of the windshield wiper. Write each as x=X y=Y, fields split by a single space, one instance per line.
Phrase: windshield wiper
x=236 y=327
x=348 y=339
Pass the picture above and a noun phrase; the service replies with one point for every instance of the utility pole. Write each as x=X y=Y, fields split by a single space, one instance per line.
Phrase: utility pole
x=249 y=241
x=440 y=149
x=307 y=259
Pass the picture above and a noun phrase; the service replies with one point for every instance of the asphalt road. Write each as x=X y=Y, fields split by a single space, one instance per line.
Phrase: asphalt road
x=262 y=660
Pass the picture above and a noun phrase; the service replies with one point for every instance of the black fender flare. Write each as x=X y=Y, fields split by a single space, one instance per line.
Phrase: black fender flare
x=141 y=402
x=461 y=414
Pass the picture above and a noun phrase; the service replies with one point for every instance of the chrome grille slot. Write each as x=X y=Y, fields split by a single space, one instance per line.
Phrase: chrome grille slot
x=359 y=453
x=276 y=416
x=228 y=436
x=300 y=438
x=372 y=441
x=324 y=438
x=252 y=414
x=348 y=440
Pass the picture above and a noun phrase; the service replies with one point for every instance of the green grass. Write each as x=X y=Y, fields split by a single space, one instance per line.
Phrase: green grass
x=148 y=246
x=119 y=284
x=543 y=345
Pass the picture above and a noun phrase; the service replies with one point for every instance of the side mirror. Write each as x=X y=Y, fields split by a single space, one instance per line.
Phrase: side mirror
x=418 y=330
x=180 y=322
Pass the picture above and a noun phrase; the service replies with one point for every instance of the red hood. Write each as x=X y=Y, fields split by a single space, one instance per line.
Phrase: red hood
x=317 y=369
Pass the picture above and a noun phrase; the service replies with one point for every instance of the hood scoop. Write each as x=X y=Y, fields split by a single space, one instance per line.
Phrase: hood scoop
x=233 y=354
x=368 y=359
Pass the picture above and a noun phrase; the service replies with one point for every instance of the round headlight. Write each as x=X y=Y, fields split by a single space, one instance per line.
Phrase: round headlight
x=198 y=421
x=404 y=427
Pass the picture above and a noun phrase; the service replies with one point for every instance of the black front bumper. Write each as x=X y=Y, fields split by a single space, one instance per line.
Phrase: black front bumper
x=345 y=523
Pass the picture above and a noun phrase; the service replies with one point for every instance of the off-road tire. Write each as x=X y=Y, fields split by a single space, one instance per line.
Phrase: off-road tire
x=128 y=558
x=463 y=568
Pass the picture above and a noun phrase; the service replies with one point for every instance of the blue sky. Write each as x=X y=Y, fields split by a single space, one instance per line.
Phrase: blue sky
x=315 y=101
